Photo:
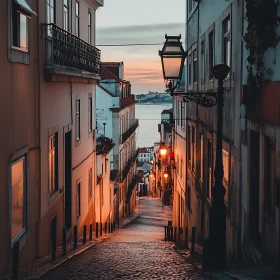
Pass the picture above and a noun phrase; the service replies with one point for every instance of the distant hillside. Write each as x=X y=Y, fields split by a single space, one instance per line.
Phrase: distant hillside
x=154 y=98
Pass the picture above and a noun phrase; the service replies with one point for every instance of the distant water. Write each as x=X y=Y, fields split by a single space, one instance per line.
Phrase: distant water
x=149 y=118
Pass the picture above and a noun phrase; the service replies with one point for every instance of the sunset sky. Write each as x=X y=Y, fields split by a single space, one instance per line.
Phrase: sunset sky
x=134 y=21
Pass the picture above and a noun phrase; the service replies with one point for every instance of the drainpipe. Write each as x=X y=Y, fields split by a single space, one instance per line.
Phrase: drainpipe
x=38 y=123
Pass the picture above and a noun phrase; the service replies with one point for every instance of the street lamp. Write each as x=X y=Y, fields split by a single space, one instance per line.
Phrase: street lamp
x=163 y=150
x=165 y=174
x=215 y=247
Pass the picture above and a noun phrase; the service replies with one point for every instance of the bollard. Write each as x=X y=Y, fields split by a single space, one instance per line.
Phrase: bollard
x=100 y=229
x=165 y=233
x=186 y=238
x=90 y=232
x=109 y=228
x=85 y=234
x=96 y=227
x=112 y=230
x=64 y=241
x=105 y=229
x=175 y=233
x=171 y=234
x=53 y=238
x=193 y=240
x=15 y=261
x=75 y=237
x=168 y=233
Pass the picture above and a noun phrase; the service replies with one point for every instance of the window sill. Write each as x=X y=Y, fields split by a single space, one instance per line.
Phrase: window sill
x=18 y=55
x=53 y=196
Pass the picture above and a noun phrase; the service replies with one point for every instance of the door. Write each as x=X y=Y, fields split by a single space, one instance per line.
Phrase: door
x=254 y=189
x=68 y=179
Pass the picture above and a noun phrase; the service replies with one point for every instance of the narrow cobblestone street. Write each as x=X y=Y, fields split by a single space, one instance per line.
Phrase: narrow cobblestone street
x=134 y=251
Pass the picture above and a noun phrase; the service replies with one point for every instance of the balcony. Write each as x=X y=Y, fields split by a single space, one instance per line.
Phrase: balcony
x=129 y=164
x=130 y=131
x=68 y=55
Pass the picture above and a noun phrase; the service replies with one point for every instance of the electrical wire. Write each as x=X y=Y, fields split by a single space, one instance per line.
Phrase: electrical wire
x=129 y=45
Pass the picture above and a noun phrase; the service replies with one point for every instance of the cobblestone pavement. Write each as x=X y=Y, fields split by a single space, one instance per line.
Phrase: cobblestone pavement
x=136 y=251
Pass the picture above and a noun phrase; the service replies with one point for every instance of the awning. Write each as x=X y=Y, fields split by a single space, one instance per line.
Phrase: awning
x=24 y=7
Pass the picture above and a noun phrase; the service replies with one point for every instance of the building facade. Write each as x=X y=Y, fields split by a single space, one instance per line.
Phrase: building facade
x=20 y=153
x=211 y=27
x=145 y=154
x=116 y=119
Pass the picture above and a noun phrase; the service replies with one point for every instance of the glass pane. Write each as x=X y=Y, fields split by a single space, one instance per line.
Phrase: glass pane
x=172 y=49
x=23 y=31
x=172 y=66
x=17 y=197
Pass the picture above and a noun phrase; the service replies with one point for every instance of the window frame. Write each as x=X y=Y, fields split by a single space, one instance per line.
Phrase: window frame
x=66 y=15
x=49 y=7
x=190 y=69
x=55 y=148
x=194 y=58
x=178 y=114
x=211 y=58
x=226 y=29
x=225 y=154
x=202 y=61
x=183 y=114
x=21 y=155
x=90 y=114
x=89 y=27
x=77 y=18
x=193 y=154
x=78 y=120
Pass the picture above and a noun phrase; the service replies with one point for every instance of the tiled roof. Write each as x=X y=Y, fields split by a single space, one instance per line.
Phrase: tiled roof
x=111 y=64
x=106 y=74
x=143 y=150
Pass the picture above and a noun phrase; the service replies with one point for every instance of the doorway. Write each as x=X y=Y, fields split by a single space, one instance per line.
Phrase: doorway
x=68 y=179
x=254 y=189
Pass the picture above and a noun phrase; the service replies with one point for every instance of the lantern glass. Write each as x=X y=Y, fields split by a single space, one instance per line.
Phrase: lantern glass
x=163 y=152
x=172 y=67
x=165 y=175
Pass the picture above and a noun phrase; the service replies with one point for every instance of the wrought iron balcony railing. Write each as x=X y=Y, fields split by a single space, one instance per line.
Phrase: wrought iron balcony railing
x=129 y=132
x=68 y=51
x=127 y=167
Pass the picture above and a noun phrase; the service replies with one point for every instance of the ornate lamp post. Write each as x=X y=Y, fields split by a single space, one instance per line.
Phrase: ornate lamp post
x=172 y=57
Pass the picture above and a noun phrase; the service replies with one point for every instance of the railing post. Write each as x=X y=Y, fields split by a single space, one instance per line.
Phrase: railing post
x=186 y=238
x=85 y=235
x=15 y=261
x=193 y=240
x=64 y=241
x=96 y=227
x=75 y=237
x=90 y=232
x=175 y=233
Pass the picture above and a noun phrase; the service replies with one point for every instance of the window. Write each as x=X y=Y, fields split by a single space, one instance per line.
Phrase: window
x=194 y=66
x=202 y=73
x=211 y=54
x=201 y=157
x=79 y=199
x=178 y=113
x=66 y=15
x=77 y=17
x=193 y=149
x=189 y=145
x=90 y=114
x=190 y=70
x=209 y=165
x=78 y=120
x=50 y=11
x=226 y=165
x=226 y=41
x=20 y=30
x=90 y=183
x=270 y=173
x=18 y=197
x=182 y=114
x=89 y=28
x=53 y=163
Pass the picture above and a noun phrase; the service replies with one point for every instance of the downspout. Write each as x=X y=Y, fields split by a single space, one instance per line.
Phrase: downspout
x=38 y=123
x=239 y=240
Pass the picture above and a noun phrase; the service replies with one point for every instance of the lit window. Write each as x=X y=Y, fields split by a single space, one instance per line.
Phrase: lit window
x=89 y=28
x=20 y=29
x=78 y=120
x=19 y=198
x=53 y=163
x=226 y=165
x=66 y=15
x=77 y=22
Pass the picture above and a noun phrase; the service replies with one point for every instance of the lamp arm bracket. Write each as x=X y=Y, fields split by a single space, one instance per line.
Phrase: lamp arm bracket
x=205 y=99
